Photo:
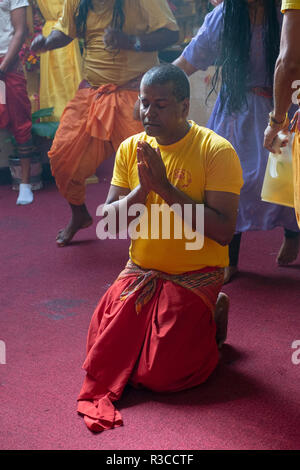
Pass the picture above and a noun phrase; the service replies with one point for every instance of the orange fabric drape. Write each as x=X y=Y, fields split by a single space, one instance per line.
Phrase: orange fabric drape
x=92 y=127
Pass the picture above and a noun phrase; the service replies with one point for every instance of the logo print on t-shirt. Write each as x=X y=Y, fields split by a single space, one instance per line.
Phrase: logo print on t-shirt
x=181 y=178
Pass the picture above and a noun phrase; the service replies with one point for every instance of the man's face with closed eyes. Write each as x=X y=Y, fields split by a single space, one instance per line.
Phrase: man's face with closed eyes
x=161 y=113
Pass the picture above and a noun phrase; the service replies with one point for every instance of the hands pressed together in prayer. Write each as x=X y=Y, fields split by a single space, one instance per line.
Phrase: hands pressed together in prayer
x=151 y=169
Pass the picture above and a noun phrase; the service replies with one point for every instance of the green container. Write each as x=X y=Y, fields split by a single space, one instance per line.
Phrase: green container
x=35 y=171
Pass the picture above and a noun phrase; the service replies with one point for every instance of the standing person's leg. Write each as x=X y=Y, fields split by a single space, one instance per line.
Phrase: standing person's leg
x=96 y=151
x=289 y=249
x=74 y=156
x=20 y=125
x=92 y=127
x=25 y=152
x=234 y=251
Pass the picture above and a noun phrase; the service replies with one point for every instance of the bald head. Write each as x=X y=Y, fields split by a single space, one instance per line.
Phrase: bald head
x=169 y=73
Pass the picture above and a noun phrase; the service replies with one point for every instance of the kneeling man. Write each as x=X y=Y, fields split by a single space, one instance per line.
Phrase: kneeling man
x=160 y=324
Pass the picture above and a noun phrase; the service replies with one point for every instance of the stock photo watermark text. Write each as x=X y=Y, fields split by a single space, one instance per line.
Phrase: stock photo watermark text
x=165 y=222
x=2 y=352
x=296 y=353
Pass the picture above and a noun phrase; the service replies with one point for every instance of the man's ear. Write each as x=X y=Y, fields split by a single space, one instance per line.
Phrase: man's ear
x=185 y=107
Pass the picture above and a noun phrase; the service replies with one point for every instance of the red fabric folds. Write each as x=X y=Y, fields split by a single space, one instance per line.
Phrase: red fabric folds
x=169 y=346
x=15 y=115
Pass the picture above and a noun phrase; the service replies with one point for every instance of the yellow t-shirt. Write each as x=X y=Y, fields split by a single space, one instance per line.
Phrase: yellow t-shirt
x=100 y=66
x=201 y=161
x=290 y=5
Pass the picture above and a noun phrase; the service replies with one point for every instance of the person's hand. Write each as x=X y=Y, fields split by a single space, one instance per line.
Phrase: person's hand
x=114 y=39
x=275 y=138
x=151 y=168
x=39 y=44
x=216 y=2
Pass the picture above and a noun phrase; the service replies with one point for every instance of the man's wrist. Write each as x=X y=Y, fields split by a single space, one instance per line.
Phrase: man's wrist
x=135 y=43
x=277 y=120
x=166 y=192
x=143 y=193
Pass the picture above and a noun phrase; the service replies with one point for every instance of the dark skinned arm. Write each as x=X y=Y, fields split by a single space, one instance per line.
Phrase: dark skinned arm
x=287 y=70
x=184 y=65
x=121 y=199
x=220 y=208
x=154 y=41
x=55 y=40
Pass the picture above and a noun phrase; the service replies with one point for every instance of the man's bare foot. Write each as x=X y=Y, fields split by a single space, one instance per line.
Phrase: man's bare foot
x=80 y=219
x=221 y=318
x=229 y=272
x=288 y=251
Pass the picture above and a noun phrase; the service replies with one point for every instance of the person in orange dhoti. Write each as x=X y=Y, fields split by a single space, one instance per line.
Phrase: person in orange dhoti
x=121 y=40
x=160 y=324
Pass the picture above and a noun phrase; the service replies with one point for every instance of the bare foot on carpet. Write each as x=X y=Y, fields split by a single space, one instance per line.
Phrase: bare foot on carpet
x=288 y=251
x=229 y=272
x=221 y=318
x=80 y=219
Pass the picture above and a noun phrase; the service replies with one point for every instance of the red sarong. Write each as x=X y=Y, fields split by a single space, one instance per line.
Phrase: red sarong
x=150 y=331
x=92 y=127
x=15 y=115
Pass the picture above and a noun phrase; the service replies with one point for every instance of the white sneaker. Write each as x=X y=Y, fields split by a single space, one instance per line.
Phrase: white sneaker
x=25 y=194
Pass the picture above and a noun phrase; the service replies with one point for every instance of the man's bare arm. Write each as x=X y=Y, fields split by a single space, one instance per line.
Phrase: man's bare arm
x=155 y=41
x=220 y=212
x=184 y=65
x=220 y=208
x=55 y=40
x=287 y=70
x=121 y=199
x=18 y=19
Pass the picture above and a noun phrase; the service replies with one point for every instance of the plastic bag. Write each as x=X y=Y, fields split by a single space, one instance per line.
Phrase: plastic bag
x=278 y=185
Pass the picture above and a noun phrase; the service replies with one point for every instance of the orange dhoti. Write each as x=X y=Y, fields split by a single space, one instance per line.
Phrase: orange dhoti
x=92 y=127
x=296 y=172
x=151 y=330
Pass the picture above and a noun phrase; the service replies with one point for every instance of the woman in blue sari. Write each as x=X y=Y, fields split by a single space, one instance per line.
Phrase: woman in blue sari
x=241 y=37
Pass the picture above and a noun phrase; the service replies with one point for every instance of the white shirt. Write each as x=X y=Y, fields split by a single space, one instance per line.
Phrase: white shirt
x=6 y=27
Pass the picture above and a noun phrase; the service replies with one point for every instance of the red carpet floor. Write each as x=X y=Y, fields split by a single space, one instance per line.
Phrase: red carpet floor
x=47 y=297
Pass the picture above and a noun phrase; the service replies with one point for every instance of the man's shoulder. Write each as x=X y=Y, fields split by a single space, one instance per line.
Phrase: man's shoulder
x=210 y=139
x=14 y=4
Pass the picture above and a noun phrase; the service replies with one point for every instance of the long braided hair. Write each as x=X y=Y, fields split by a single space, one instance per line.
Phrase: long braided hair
x=233 y=59
x=85 y=6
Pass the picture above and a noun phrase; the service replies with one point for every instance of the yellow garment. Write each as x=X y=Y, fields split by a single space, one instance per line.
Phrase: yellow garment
x=295 y=5
x=201 y=161
x=60 y=68
x=296 y=173
x=290 y=5
x=101 y=66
